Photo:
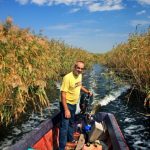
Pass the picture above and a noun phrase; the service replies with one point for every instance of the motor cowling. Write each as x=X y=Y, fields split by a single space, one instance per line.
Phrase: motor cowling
x=85 y=101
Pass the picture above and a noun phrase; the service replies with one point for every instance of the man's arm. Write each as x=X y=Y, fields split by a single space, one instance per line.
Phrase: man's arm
x=86 y=91
x=63 y=100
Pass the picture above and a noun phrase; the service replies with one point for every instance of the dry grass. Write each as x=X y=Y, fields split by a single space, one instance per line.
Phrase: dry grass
x=131 y=60
x=27 y=62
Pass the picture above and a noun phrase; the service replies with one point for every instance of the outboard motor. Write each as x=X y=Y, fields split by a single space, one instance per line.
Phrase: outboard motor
x=87 y=119
x=85 y=102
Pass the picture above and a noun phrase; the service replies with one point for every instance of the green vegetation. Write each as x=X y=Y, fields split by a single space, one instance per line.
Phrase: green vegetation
x=27 y=64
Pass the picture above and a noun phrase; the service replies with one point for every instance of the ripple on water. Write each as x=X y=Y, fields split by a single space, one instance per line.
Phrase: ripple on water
x=135 y=127
x=16 y=131
x=6 y=144
x=129 y=120
x=139 y=145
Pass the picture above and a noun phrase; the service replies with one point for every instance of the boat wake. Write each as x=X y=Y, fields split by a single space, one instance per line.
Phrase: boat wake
x=113 y=95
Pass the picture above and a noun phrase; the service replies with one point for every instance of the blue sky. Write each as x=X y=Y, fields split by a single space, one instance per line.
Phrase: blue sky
x=93 y=25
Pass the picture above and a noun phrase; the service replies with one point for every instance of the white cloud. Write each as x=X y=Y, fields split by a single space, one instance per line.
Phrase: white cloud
x=140 y=22
x=22 y=2
x=39 y=2
x=74 y=10
x=60 y=27
x=74 y=25
x=91 y=5
x=141 y=12
x=146 y=2
x=97 y=7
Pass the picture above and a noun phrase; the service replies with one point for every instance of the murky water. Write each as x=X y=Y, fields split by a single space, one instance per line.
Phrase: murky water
x=106 y=90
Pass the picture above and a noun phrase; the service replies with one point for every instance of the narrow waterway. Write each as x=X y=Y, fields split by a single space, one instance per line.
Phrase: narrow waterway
x=107 y=91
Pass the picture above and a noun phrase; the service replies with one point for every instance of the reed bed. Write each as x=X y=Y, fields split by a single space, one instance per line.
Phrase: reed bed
x=131 y=60
x=28 y=63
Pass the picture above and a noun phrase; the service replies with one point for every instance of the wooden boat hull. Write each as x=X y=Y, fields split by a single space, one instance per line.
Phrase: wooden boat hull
x=45 y=136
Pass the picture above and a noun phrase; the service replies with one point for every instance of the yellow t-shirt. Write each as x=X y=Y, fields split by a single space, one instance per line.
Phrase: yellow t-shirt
x=72 y=85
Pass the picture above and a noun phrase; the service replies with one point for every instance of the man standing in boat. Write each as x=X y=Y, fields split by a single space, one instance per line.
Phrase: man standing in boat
x=70 y=92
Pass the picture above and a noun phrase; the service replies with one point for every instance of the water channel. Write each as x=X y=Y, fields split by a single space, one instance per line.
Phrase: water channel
x=107 y=91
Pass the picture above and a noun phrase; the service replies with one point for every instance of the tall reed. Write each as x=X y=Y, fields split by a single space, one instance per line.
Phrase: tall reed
x=131 y=60
x=27 y=63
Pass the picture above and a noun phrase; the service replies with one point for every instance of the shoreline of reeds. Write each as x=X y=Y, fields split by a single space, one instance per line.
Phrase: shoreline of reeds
x=28 y=65
x=131 y=62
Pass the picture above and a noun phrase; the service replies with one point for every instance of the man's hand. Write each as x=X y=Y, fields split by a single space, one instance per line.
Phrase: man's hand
x=90 y=93
x=67 y=113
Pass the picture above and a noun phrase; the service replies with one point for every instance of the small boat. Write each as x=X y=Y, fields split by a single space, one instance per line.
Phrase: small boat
x=89 y=137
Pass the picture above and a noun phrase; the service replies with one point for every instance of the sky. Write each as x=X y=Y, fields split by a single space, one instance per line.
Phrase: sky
x=93 y=25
